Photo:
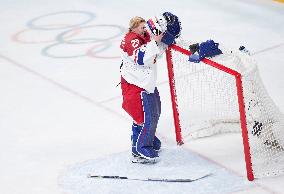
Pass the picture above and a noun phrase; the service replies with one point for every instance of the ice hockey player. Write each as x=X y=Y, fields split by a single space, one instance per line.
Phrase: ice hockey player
x=141 y=47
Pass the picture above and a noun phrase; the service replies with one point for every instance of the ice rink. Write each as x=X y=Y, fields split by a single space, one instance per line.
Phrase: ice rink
x=60 y=109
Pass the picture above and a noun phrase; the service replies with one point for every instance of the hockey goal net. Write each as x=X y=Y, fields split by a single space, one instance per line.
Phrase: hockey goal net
x=226 y=94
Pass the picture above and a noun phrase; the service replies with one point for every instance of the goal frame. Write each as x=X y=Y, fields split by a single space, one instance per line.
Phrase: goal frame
x=240 y=96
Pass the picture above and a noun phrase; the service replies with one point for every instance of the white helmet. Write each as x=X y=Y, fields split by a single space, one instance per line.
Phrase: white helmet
x=164 y=22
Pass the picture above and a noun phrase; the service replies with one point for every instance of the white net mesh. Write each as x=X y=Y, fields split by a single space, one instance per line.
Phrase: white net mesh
x=207 y=104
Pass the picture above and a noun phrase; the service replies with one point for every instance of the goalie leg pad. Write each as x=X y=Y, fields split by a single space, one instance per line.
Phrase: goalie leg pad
x=157 y=142
x=144 y=144
x=158 y=101
x=136 y=129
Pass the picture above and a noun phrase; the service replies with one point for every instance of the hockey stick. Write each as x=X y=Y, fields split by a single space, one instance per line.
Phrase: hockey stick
x=182 y=180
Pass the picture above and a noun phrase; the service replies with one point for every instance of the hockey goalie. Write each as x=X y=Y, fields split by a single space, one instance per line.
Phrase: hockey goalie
x=141 y=47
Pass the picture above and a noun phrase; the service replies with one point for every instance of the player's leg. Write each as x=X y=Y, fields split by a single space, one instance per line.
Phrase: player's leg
x=136 y=129
x=157 y=142
x=132 y=104
x=144 y=144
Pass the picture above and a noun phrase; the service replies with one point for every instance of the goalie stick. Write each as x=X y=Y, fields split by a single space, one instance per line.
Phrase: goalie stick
x=177 y=180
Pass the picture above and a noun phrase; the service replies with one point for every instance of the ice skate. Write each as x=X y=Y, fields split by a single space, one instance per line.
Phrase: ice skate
x=142 y=160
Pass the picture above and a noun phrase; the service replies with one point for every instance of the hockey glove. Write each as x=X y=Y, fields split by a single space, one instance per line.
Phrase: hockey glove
x=194 y=48
x=209 y=49
x=168 y=38
x=206 y=49
x=194 y=58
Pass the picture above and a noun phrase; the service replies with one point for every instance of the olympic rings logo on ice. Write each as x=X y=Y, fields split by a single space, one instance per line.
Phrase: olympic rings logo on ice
x=71 y=36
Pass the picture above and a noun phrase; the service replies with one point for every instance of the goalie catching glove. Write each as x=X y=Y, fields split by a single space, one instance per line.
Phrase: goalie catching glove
x=204 y=49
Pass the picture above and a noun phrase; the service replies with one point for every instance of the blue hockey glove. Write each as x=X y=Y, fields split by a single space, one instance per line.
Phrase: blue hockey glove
x=168 y=38
x=206 y=49
x=173 y=24
x=194 y=58
x=209 y=49
x=194 y=48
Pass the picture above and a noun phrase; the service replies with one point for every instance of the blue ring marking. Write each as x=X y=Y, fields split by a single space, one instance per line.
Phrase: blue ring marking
x=32 y=23
x=45 y=51
x=60 y=37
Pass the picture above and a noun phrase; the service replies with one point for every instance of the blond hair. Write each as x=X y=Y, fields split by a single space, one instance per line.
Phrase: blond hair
x=135 y=21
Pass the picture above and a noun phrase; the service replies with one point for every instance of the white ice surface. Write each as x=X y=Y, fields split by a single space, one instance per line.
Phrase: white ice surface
x=62 y=111
x=173 y=164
